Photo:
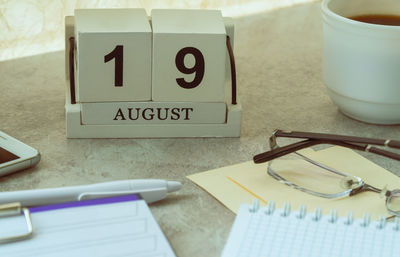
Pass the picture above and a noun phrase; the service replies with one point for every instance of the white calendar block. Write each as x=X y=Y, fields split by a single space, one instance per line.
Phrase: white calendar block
x=110 y=117
x=113 y=55
x=189 y=53
x=123 y=113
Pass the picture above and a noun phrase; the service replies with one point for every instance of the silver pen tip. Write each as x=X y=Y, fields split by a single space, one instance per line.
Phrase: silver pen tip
x=173 y=186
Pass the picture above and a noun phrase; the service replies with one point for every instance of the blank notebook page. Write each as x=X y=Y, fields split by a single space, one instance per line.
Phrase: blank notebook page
x=121 y=226
x=257 y=232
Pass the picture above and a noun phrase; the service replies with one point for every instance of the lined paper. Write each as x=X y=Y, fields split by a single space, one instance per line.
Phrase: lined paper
x=118 y=229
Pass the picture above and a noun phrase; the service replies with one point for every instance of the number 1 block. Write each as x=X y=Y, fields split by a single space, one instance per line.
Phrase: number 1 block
x=113 y=55
x=189 y=51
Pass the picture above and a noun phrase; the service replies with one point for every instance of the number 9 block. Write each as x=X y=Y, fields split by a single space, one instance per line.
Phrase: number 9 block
x=113 y=55
x=189 y=52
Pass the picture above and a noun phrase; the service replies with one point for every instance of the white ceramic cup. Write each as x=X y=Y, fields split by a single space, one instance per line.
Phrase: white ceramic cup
x=361 y=61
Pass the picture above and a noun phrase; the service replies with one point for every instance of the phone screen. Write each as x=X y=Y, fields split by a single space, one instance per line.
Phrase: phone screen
x=6 y=156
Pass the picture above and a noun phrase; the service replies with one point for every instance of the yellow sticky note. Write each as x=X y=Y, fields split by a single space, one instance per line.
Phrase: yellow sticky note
x=219 y=183
x=216 y=182
x=244 y=182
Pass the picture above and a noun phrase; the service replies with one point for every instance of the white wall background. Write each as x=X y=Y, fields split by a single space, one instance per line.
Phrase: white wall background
x=29 y=27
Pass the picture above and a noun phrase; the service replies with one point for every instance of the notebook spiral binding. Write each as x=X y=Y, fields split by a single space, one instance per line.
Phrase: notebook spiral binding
x=317 y=215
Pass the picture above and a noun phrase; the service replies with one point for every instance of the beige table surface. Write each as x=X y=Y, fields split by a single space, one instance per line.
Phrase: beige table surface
x=278 y=57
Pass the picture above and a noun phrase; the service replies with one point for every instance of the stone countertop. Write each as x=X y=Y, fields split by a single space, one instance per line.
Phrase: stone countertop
x=278 y=56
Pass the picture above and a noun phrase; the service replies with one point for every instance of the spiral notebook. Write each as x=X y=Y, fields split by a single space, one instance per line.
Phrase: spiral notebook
x=265 y=232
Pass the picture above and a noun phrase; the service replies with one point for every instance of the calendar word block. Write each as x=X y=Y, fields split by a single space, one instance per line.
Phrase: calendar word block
x=189 y=52
x=113 y=55
x=152 y=113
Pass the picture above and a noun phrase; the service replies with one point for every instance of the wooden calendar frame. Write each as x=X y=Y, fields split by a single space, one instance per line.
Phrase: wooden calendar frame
x=75 y=128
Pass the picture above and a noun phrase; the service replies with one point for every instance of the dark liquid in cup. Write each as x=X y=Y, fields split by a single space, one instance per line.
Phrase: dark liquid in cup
x=381 y=19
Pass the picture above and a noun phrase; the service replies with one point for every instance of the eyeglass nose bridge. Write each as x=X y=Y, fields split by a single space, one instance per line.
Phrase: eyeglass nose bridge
x=365 y=187
x=389 y=194
x=393 y=193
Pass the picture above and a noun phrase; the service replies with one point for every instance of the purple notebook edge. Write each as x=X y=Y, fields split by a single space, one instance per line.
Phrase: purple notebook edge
x=98 y=201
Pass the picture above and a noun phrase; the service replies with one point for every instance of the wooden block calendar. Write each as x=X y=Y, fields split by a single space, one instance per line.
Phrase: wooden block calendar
x=132 y=76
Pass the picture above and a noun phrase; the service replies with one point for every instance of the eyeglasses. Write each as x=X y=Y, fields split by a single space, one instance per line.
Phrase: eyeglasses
x=291 y=167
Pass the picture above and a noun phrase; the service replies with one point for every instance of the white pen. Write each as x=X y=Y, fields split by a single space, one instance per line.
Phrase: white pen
x=150 y=189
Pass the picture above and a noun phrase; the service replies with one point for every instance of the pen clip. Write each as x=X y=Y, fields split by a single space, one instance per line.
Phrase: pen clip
x=149 y=195
x=94 y=195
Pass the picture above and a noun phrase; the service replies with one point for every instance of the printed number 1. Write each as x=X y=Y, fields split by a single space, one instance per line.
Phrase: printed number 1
x=118 y=55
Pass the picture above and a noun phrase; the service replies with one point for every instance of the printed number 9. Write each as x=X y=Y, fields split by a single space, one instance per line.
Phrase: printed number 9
x=197 y=68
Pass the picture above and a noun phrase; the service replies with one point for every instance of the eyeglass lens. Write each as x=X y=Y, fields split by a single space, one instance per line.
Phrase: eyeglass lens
x=310 y=175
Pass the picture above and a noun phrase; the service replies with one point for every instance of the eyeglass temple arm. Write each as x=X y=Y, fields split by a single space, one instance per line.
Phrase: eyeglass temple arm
x=284 y=150
x=366 y=142
x=382 y=152
x=281 y=151
x=349 y=139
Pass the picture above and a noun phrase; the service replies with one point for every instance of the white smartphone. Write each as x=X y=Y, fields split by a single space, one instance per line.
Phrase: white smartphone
x=15 y=155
